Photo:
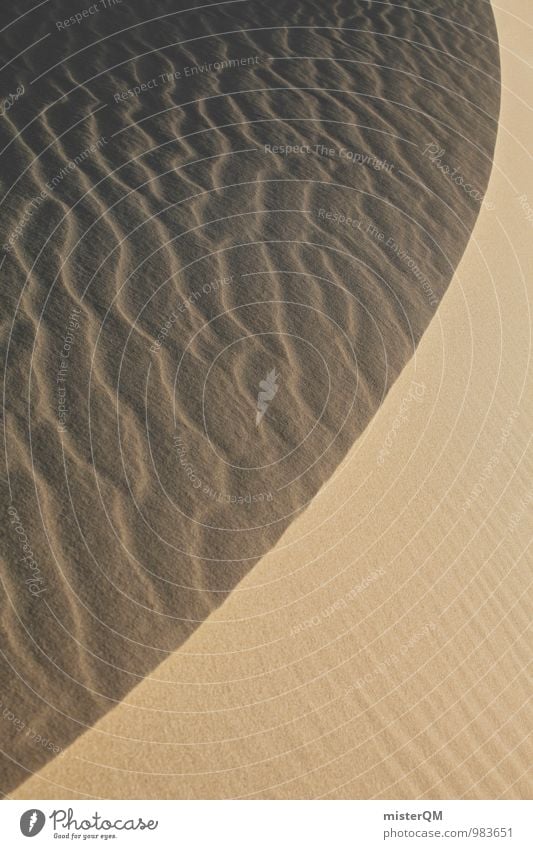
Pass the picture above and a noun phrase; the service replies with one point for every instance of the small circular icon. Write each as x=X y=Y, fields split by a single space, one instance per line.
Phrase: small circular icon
x=32 y=822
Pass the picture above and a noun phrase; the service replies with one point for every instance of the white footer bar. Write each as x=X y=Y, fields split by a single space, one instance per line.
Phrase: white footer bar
x=269 y=824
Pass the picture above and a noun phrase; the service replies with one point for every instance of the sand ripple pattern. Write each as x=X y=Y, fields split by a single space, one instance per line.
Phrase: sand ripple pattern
x=224 y=232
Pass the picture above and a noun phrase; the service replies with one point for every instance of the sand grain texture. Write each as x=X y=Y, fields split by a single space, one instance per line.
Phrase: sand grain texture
x=201 y=263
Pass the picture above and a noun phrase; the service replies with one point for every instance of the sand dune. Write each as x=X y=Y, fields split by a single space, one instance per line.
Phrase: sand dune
x=382 y=647
x=229 y=230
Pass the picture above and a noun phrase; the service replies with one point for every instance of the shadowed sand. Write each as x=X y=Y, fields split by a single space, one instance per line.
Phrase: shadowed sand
x=286 y=223
x=382 y=648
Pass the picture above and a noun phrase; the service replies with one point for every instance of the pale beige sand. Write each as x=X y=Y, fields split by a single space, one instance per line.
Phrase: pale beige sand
x=126 y=466
x=268 y=698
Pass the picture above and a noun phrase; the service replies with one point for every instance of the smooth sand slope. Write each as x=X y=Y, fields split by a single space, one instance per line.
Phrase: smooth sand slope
x=202 y=322
x=381 y=647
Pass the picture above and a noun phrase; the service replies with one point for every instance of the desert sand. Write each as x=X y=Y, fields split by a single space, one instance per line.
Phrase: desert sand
x=362 y=632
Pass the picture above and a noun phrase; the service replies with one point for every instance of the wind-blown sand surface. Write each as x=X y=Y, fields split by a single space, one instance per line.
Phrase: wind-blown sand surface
x=382 y=647
x=377 y=648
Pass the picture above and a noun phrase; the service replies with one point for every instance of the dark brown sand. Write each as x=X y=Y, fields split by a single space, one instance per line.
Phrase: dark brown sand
x=225 y=231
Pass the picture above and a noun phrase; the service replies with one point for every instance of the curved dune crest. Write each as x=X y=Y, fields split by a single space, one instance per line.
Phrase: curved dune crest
x=228 y=229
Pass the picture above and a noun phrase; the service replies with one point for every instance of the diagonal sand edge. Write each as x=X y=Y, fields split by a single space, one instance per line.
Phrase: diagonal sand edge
x=395 y=664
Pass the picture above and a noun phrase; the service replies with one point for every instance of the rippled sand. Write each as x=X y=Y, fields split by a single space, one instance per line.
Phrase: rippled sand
x=225 y=232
